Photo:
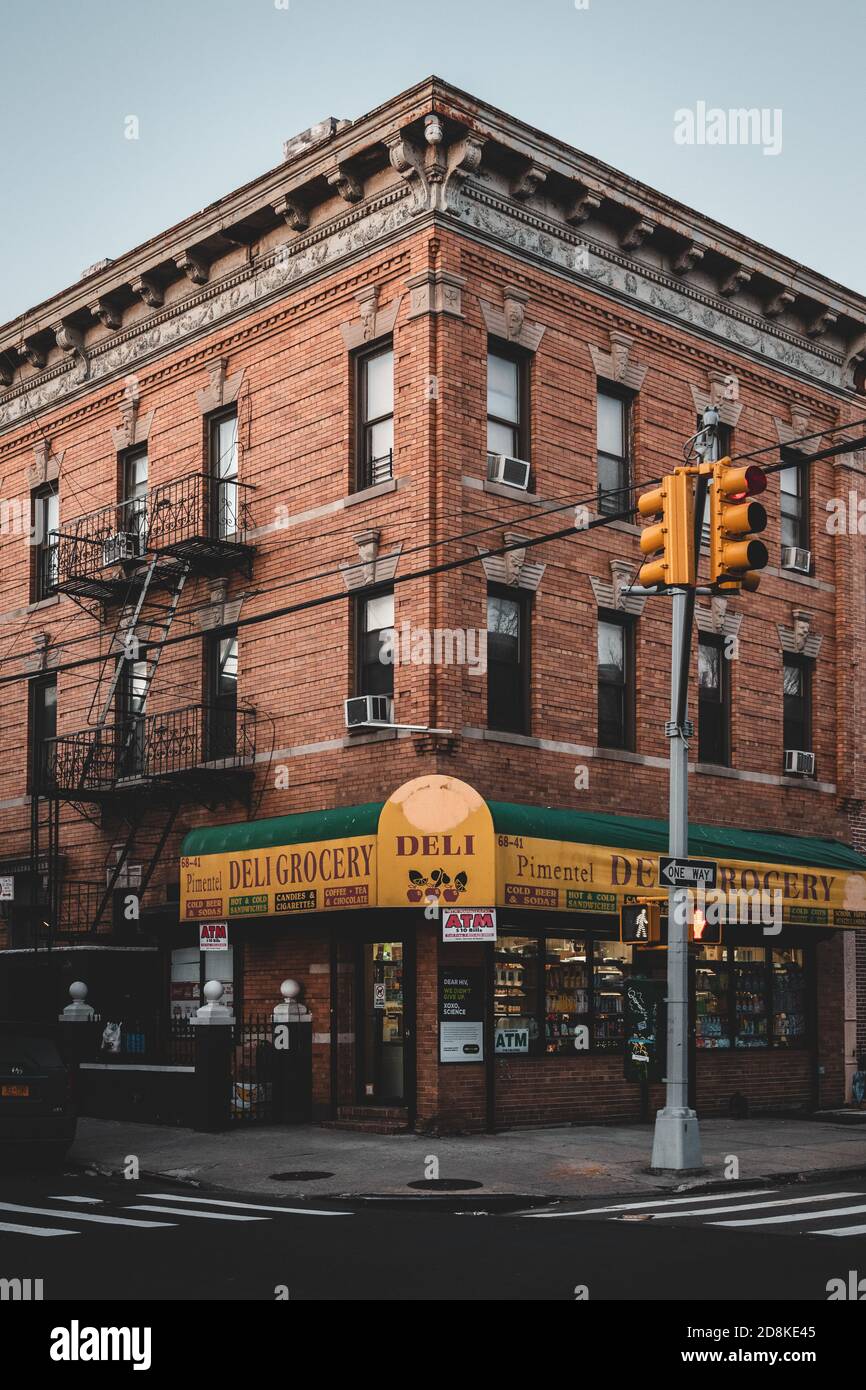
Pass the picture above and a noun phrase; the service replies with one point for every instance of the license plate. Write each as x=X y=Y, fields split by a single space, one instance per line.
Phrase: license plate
x=14 y=1090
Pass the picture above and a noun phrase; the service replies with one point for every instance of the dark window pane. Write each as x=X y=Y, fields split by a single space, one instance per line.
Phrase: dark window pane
x=613 y=679
x=376 y=672
x=506 y=676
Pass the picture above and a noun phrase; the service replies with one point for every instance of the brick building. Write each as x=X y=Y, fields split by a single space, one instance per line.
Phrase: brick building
x=426 y=335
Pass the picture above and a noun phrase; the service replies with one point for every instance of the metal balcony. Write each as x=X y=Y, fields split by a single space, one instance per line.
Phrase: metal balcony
x=200 y=520
x=198 y=751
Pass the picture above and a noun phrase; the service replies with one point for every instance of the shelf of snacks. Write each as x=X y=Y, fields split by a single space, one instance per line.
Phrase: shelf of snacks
x=750 y=995
x=712 y=1021
x=789 y=998
x=566 y=994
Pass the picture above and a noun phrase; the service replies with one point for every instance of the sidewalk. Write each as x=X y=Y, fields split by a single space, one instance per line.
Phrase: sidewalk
x=564 y=1162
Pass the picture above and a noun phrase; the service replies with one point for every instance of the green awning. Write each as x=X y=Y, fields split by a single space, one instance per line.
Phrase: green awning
x=540 y=822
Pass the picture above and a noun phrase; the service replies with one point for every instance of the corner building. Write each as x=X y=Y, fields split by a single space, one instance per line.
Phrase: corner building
x=253 y=450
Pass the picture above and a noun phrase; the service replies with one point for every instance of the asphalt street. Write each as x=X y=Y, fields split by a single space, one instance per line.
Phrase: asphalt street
x=95 y=1238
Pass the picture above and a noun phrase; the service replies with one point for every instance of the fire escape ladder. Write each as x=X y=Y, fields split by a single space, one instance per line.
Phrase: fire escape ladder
x=159 y=632
x=151 y=859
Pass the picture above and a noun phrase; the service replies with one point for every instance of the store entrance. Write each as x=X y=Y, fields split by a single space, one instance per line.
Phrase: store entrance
x=383 y=1034
x=653 y=965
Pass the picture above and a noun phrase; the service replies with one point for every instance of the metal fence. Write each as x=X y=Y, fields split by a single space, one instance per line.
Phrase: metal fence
x=254 y=1076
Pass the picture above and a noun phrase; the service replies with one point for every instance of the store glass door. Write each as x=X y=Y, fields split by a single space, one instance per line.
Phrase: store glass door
x=383 y=1037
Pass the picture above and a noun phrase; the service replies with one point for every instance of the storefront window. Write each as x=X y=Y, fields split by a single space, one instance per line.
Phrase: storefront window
x=789 y=998
x=566 y=995
x=612 y=964
x=712 y=998
x=516 y=989
x=750 y=990
x=190 y=968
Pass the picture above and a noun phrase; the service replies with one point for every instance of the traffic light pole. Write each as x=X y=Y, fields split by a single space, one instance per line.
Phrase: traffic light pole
x=677 y=1140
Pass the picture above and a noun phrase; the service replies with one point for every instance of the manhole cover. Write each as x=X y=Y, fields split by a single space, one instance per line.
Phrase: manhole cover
x=301 y=1175
x=444 y=1184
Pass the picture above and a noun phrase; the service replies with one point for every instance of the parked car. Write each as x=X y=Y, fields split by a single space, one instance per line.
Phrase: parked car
x=37 y=1102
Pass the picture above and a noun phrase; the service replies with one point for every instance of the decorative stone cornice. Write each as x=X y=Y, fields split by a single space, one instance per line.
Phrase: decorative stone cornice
x=374 y=322
x=715 y=619
x=133 y=429
x=584 y=204
x=691 y=255
x=799 y=638
x=510 y=322
x=343 y=181
x=149 y=291
x=373 y=568
x=735 y=281
x=435 y=292
x=779 y=303
x=618 y=364
x=512 y=568
x=106 y=312
x=823 y=321
x=32 y=350
x=221 y=390
x=528 y=180
x=639 y=230
x=614 y=594
x=45 y=467
x=294 y=211
x=722 y=393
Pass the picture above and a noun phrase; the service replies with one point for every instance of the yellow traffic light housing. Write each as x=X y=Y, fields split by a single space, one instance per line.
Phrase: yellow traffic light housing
x=640 y=921
x=735 y=520
x=669 y=543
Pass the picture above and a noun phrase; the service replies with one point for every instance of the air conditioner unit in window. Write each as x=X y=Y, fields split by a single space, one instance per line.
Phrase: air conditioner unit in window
x=370 y=711
x=123 y=545
x=503 y=469
x=803 y=764
x=793 y=558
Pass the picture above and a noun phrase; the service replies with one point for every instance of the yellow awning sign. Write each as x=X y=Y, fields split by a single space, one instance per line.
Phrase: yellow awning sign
x=435 y=845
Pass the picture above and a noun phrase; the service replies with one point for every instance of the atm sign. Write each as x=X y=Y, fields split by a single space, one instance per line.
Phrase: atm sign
x=213 y=936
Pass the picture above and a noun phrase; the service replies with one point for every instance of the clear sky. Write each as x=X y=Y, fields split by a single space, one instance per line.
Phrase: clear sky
x=217 y=85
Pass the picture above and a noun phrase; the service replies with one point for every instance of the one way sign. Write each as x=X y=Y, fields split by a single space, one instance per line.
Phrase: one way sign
x=687 y=873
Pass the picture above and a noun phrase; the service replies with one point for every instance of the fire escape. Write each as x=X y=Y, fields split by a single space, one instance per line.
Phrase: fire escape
x=129 y=771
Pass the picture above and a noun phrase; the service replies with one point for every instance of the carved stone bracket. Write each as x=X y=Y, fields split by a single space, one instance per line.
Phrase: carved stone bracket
x=373 y=568
x=435 y=292
x=823 y=321
x=735 y=281
x=463 y=159
x=529 y=180
x=512 y=568
x=7 y=370
x=408 y=160
x=133 y=429
x=42 y=658
x=780 y=301
x=639 y=230
x=148 y=290
x=799 y=638
x=715 y=619
x=194 y=267
x=618 y=364
x=612 y=594
x=221 y=390
x=106 y=312
x=45 y=467
x=344 y=182
x=722 y=393
x=33 y=352
x=374 y=322
x=691 y=255
x=585 y=204
x=293 y=210
x=511 y=322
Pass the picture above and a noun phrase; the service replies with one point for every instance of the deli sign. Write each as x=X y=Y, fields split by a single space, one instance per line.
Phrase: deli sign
x=469 y=924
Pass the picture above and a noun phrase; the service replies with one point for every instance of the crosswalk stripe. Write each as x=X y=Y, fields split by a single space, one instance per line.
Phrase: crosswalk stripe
x=91 y=1201
x=247 y=1206
x=34 y=1230
x=796 y=1216
x=81 y=1216
x=205 y=1215
x=755 y=1206
x=841 y=1230
x=656 y=1202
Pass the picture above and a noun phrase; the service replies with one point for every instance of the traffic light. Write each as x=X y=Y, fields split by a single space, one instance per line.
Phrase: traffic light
x=735 y=520
x=670 y=541
x=641 y=921
x=702 y=932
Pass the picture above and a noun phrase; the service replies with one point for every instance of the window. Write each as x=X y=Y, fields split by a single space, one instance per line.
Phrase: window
x=797 y=732
x=515 y=993
x=712 y=998
x=749 y=997
x=223 y=445
x=134 y=496
x=508 y=403
x=45 y=508
x=793 y=505
x=374 y=643
x=612 y=964
x=615 y=683
x=751 y=994
x=720 y=449
x=713 y=702
x=613 y=427
x=222 y=715
x=789 y=997
x=507 y=661
x=43 y=727
x=190 y=970
x=131 y=700
x=566 y=996
x=374 y=398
